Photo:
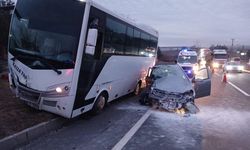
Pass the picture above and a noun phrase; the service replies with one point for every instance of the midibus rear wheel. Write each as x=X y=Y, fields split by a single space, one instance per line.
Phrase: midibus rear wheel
x=99 y=104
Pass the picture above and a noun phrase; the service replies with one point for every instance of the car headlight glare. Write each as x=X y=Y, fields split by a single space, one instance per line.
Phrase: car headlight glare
x=240 y=67
x=229 y=67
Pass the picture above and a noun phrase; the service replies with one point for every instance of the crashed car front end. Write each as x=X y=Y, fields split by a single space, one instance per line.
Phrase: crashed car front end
x=170 y=100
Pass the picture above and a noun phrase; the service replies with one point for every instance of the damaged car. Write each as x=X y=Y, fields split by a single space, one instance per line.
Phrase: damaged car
x=168 y=87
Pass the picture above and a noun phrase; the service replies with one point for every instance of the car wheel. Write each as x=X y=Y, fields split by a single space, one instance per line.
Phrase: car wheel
x=99 y=104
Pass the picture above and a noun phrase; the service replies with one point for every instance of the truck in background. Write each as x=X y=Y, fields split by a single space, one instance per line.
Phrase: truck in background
x=220 y=56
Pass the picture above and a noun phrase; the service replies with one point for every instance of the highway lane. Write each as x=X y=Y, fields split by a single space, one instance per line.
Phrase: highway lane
x=242 y=80
x=94 y=132
x=222 y=123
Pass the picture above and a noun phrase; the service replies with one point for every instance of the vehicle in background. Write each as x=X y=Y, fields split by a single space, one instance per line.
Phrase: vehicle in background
x=170 y=88
x=232 y=66
x=220 y=57
x=188 y=60
x=205 y=57
x=70 y=62
x=237 y=60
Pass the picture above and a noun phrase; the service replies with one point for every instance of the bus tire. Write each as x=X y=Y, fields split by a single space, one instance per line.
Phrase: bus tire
x=99 y=104
x=137 y=90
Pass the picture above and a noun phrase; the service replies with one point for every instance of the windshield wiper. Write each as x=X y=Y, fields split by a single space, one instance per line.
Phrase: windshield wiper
x=42 y=60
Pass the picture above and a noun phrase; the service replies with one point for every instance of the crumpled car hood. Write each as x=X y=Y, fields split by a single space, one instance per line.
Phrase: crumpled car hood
x=173 y=84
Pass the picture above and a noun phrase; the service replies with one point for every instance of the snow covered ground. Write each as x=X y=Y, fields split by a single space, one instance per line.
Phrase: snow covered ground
x=212 y=127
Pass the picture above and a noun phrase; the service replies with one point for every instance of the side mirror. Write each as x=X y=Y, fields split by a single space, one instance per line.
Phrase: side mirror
x=91 y=41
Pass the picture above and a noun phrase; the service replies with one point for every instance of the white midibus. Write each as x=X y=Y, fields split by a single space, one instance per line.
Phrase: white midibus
x=72 y=56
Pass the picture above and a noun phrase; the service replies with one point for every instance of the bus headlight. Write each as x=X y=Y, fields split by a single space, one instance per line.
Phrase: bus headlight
x=57 y=90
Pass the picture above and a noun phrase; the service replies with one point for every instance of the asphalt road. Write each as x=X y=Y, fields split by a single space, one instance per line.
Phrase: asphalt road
x=241 y=80
x=222 y=123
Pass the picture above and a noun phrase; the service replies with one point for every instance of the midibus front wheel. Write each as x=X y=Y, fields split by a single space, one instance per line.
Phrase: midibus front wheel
x=99 y=104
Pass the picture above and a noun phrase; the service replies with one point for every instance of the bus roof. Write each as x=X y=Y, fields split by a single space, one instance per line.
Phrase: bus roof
x=143 y=27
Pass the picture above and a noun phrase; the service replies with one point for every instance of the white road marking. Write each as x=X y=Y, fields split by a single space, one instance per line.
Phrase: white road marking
x=131 y=132
x=237 y=88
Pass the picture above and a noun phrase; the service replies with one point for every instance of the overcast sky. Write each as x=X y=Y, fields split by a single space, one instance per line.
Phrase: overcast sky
x=189 y=22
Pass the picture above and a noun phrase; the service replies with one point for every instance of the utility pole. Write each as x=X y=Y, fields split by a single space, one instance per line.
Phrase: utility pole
x=232 y=44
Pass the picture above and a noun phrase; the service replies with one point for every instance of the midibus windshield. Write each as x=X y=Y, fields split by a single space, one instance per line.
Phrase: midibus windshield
x=49 y=29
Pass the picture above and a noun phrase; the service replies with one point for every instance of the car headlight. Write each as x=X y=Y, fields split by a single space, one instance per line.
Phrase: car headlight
x=59 y=90
x=186 y=97
x=240 y=67
x=189 y=94
x=229 y=67
x=216 y=65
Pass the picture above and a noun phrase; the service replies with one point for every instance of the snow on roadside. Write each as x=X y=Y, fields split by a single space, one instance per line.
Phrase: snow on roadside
x=181 y=131
x=220 y=123
x=225 y=121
